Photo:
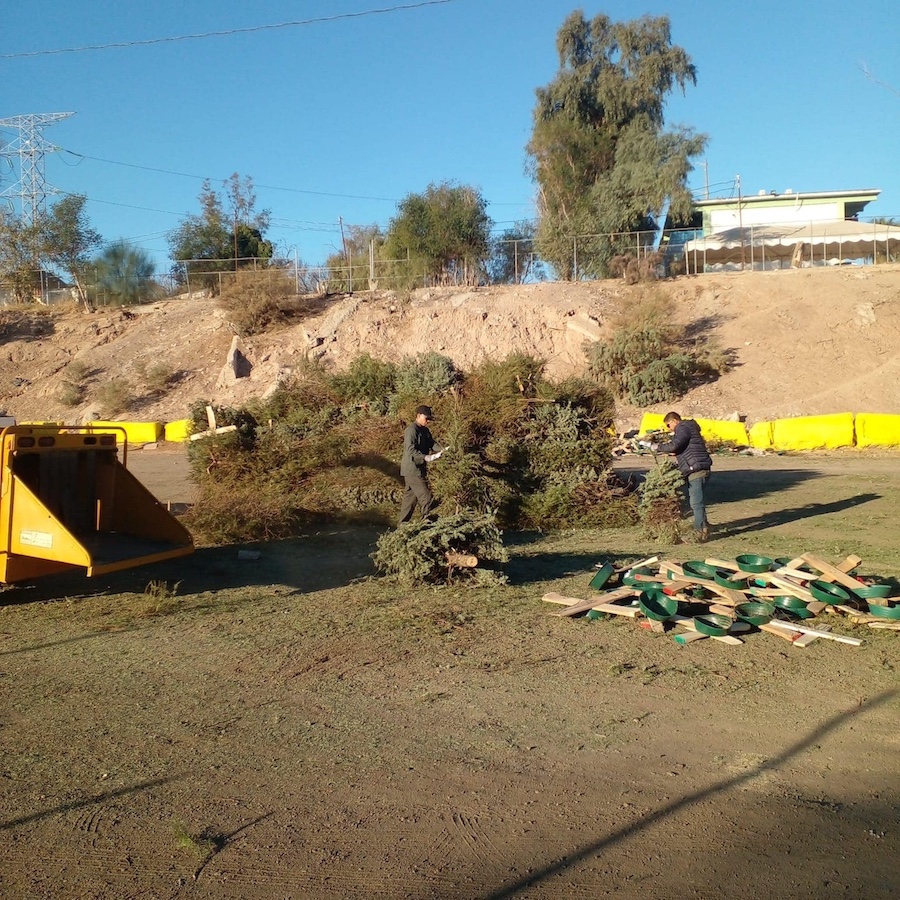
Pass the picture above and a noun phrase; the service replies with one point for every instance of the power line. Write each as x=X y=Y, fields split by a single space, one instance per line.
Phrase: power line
x=268 y=187
x=227 y=32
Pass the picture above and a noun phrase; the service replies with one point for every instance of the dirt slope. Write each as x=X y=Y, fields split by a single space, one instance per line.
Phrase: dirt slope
x=805 y=342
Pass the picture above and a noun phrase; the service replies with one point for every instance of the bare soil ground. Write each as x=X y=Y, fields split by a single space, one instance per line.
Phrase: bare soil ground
x=291 y=726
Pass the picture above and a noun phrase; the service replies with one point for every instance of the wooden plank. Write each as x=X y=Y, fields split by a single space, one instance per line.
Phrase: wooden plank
x=669 y=566
x=673 y=588
x=722 y=610
x=833 y=572
x=790 y=587
x=795 y=573
x=637 y=565
x=729 y=564
x=732 y=598
x=806 y=639
x=848 y=610
x=553 y=597
x=816 y=607
x=802 y=629
x=688 y=623
x=622 y=593
x=885 y=626
x=773 y=628
x=688 y=637
x=765 y=592
x=616 y=609
x=580 y=606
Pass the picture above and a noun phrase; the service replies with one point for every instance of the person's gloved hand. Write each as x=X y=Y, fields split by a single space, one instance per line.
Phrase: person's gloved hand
x=431 y=457
x=644 y=445
x=654 y=448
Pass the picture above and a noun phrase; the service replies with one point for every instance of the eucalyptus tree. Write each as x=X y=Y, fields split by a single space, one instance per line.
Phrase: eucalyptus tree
x=599 y=153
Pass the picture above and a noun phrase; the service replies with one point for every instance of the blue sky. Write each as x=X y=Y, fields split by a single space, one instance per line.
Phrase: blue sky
x=341 y=119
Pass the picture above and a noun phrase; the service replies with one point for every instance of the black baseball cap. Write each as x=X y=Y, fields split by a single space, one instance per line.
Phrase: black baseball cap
x=424 y=411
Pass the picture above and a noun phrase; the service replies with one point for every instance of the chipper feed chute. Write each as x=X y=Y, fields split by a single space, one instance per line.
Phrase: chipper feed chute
x=66 y=500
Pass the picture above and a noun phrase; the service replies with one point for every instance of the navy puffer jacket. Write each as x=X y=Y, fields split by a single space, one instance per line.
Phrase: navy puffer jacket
x=689 y=448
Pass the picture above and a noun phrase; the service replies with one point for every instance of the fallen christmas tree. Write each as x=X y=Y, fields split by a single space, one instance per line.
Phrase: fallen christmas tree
x=447 y=548
x=326 y=447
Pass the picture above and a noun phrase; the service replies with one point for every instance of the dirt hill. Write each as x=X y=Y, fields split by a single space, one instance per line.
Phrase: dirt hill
x=804 y=341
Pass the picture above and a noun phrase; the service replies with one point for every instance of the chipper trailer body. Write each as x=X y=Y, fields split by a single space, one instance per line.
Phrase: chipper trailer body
x=67 y=501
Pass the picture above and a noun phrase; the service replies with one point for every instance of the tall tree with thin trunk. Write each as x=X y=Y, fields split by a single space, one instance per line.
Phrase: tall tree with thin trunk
x=599 y=154
x=68 y=240
x=227 y=234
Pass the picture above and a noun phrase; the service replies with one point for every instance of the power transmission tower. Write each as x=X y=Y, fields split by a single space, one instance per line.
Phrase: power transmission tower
x=29 y=146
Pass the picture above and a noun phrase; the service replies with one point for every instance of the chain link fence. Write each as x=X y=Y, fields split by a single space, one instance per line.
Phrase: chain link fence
x=641 y=254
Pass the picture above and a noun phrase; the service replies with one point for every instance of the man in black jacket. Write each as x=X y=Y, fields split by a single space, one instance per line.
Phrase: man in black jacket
x=419 y=449
x=694 y=462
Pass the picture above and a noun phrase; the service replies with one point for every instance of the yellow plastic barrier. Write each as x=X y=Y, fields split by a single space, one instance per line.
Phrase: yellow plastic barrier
x=712 y=429
x=813 y=432
x=651 y=422
x=135 y=432
x=177 y=431
x=877 y=430
x=761 y=435
x=719 y=431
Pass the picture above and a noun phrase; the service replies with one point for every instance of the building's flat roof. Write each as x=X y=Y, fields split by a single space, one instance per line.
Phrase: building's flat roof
x=866 y=194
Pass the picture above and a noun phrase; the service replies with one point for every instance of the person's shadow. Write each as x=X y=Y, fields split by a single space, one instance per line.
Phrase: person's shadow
x=783 y=516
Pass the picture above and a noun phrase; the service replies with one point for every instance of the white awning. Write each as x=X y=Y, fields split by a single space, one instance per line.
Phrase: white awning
x=841 y=240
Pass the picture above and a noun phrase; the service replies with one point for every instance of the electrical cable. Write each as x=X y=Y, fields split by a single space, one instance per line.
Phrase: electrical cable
x=227 y=32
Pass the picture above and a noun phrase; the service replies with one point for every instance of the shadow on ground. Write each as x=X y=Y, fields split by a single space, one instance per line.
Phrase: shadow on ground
x=735 y=485
x=794 y=514
x=594 y=848
x=526 y=568
x=326 y=559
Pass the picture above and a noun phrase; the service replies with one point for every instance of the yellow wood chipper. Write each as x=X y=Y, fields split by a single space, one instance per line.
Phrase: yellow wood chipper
x=67 y=501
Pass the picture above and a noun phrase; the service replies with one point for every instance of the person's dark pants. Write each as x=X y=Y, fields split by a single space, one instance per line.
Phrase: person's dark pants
x=696 y=483
x=417 y=491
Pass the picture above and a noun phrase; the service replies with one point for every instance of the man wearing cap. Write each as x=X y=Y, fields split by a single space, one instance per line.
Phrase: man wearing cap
x=419 y=449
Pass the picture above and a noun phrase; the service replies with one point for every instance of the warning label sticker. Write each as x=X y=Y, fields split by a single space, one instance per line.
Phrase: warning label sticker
x=36 y=539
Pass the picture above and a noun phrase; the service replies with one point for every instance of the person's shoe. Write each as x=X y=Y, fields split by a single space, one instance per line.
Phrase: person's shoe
x=702 y=536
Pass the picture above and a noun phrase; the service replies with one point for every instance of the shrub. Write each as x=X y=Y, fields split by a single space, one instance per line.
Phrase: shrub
x=253 y=299
x=649 y=359
x=424 y=375
x=155 y=378
x=70 y=394
x=367 y=381
x=73 y=387
x=113 y=397
x=661 y=380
